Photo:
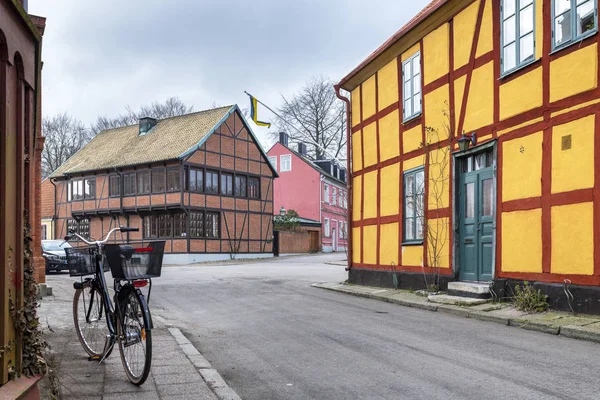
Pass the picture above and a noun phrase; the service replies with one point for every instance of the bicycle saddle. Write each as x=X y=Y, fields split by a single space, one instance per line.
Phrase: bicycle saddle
x=127 y=251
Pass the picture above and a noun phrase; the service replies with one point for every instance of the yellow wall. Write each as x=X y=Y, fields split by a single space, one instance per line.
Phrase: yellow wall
x=356 y=198
x=438 y=248
x=368 y=98
x=436 y=53
x=573 y=169
x=480 y=104
x=356 y=245
x=410 y=52
x=412 y=255
x=515 y=183
x=521 y=94
x=439 y=177
x=357 y=151
x=573 y=239
x=464 y=29
x=49 y=231
x=459 y=89
x=370 y=193
x=389 y=136
x=486 y=42
x=387 y=84
x=522 y=241
x=390 y=190
x=437 y=115
x=370 y=143
x=355 y=97
x=388 y=249
x=370 y=244
x=412 y=139
x=413 y=163
x=574 y=73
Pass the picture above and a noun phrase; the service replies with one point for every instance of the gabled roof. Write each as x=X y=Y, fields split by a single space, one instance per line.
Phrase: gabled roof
x=312 y=164
x=170 y=139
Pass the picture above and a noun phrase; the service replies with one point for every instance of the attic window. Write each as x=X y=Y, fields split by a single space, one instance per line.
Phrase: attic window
x=146 y=124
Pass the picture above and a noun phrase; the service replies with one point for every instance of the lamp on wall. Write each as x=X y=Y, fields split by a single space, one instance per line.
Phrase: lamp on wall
x=282 y=211
x=465 y=140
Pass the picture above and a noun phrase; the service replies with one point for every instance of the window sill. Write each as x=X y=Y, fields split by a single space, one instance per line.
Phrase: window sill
x=573 y=42
x=412 y=118
x=505 y=75
x=412 y=243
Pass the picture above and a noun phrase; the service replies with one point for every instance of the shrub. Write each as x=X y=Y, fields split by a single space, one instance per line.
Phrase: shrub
x=528 y=299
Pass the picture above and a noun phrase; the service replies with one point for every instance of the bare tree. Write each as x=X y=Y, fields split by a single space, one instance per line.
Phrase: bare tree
x=65 y=136
x=315 y=116
x=171 y=107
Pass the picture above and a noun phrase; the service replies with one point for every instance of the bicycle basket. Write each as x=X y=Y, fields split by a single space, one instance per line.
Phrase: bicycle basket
x=81 y=260
x=139 y=260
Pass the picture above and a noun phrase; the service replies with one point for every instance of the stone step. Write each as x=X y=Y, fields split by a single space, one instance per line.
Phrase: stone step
x=476 y=290
x=455 y=300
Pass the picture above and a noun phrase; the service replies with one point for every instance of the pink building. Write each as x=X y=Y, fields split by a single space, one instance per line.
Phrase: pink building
x=316 y=190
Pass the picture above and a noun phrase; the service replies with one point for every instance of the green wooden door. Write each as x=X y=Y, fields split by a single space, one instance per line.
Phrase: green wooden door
x=476 y=211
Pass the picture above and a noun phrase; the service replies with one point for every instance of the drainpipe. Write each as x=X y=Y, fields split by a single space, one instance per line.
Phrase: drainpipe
x=321 y=179
x=348 y=174
x=54 y=216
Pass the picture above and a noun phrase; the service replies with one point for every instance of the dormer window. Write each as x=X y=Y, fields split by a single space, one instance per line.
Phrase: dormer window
x=146 y=124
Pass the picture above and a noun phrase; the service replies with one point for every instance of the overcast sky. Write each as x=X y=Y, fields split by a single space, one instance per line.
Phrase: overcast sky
x=100 y=56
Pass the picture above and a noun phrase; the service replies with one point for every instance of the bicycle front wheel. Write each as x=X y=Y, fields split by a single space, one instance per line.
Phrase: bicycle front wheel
x=135 y=337
x=89 y=317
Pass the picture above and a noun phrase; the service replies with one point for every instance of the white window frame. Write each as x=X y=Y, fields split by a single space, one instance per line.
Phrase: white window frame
x=326 y=193
x=575 y=37
x=345 y=200
x=333 y=196
x=341 y=198
x=341 y=229
x=327 y=228
x=514 y=14
x=273 y=161
x=285 y=163
x=410 y=78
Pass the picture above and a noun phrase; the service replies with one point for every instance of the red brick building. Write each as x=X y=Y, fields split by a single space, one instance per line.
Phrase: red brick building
x=200 y=181
x=21 y=146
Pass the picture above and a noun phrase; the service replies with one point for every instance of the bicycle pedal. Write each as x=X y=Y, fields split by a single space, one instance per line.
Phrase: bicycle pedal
x=93 y=358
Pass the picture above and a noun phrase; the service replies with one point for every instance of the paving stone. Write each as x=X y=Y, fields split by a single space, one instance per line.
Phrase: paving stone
x=589 y=332
x=129 y=395
x=455 y=300
x=196 y=388
x=534 y=326
x=199 y=361
x=82 y=390
x=164 y=379
x=126 y=386
x=172 y=369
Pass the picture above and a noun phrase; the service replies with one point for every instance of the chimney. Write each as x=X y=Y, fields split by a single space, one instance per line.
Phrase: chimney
x=283 y=138
x=302 y=148
x=146 y=124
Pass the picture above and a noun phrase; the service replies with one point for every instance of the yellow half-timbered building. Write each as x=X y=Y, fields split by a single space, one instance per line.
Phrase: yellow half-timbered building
x=475 y=149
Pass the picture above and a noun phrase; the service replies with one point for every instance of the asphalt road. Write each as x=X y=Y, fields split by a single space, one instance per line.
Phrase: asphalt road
x=272 y=336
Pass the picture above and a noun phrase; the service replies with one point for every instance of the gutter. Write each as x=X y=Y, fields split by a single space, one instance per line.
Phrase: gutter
x=348 y=172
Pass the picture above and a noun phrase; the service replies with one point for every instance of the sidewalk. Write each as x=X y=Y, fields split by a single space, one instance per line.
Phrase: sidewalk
x=584 y=327
x=178 y=370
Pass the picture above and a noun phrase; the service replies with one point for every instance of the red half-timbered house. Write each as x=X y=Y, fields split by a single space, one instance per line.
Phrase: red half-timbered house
x=200 y=181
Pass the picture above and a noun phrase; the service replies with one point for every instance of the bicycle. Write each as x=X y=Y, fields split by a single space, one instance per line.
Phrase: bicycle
x=99 y=322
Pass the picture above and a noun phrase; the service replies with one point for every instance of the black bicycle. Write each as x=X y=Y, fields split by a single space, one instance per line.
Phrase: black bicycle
x=100 y=322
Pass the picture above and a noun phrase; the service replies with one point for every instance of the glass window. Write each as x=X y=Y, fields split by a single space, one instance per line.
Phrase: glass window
x=76 y=189
x=573 y=20
x=518 y=39
x=165 y=226
x=90 y=188
x=253 y=188
x=158 y=181
x=273 y=161
x=341 y=230
x=114 y=186
x=327 y=228
x=326 y=193
x=341 y=199
x=129 y=186
x=212 y=225
x=226 y=184
x=173 y=180
x=285 y=163
x=333 y=196
x=69 y=191
x=197 y=224
x=196 y=180
x=150 y=226
x=411 y=91
x=179 y=225
x=212 y=182
x=414 y=189
x=240 y=186
x=143 y=182
x=82 y=227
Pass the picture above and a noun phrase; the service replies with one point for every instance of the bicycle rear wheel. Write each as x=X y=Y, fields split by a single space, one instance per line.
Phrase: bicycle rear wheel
x=135 y=337
x=89 y=317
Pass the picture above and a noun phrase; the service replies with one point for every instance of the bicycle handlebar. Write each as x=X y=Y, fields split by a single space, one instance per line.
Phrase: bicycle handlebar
x=99 y=242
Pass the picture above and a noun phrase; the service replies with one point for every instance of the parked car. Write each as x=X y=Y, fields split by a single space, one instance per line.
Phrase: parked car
x=55 y=255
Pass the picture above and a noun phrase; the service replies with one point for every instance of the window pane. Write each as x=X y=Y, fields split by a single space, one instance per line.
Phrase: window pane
x=420 y=182
x=526 y=18
x=408 y=108
x=488 y=197
x=470 y=200
x=417 y=84
x=526 y=48
x=508 y=30
x=479 y=161
x=417 y=103
x=561 y=6
x=416 y=65
x=410 y=207
x=523 y=3
x=158 y=181
x=509 y=61
x=562 y=29
x=212 y=182
x=193 y=186
x=508 y=7
x=406 y=72
x=409 y=184
x=419 y=228
x=407 y=90
x=585 y=18
x=409 y=229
